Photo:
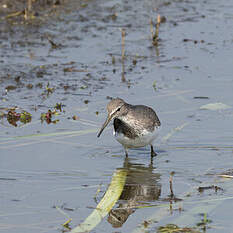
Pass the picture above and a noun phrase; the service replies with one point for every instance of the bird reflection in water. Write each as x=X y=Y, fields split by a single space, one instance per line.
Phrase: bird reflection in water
x=141 y=186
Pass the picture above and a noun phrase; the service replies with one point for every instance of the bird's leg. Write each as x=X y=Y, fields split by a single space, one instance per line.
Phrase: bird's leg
x=126 y=152
x=153 y=153
x=151 y=162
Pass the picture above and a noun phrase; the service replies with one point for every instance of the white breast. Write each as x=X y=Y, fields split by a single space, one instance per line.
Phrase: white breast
x=146 y=138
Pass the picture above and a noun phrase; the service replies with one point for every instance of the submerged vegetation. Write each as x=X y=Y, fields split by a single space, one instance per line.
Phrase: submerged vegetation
x=47 y=117
x=15 y=116
x=200 y=227
x=24 y=117
x=172 y=228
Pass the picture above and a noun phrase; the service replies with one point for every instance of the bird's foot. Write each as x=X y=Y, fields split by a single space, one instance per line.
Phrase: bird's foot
x=153 y=153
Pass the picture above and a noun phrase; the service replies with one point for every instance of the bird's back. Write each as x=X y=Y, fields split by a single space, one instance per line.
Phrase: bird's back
x=143 y=116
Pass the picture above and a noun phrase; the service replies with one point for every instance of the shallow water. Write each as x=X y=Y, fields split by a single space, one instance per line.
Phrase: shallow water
x=66 y=165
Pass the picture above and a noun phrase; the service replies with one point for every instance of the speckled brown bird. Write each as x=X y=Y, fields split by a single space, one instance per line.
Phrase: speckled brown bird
x=134 y=125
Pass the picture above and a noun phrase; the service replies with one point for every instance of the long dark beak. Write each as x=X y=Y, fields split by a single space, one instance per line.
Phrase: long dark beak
x=109 y=118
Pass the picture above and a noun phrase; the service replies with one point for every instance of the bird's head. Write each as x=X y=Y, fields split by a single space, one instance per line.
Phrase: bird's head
x=115 y=110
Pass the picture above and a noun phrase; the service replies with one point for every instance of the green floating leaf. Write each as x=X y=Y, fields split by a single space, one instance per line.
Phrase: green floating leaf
x=106 y=204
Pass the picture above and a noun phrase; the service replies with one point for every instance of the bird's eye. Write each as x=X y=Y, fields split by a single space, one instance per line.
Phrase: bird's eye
x=118 y=109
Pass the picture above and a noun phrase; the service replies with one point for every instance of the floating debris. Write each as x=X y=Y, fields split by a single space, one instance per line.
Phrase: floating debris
x=59 y=106
x=10 y=88
x=67 y=222
x=172 y=228
x=83 y=87
x=48 y=90
x=203 y=224
x=134 y=62
x=75 y=117
x=73 y=69
x=154 y=85
x=53 y=44
x=48 y=117
x=29 y=86
x=15 y=14
x=227 y=174
x=13 y=117
x=202 y=189
x=201 y=97
x=113 y=59
x=215 y=106
x=194 y=41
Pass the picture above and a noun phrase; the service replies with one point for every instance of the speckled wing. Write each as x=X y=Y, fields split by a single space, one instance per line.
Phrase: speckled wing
x=146 y=117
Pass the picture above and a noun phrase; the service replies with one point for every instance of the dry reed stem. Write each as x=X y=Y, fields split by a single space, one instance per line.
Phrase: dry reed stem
x=29 y=5
x=123 y=54
x=171 y=185
x=151 y=29
x=157 y=26
x=156 y=35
